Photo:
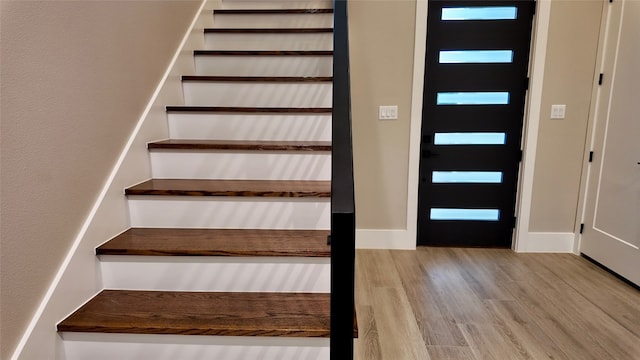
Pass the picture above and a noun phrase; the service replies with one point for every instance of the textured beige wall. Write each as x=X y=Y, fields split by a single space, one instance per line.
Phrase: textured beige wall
x=75 y=78
x=382 y=35
x=568 y=79
x=381 y=41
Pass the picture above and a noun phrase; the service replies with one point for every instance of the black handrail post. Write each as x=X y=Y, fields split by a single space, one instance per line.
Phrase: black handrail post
x=342 y=196
x=342 y=286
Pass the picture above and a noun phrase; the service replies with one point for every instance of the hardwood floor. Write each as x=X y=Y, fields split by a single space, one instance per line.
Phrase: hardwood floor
x=477 y=304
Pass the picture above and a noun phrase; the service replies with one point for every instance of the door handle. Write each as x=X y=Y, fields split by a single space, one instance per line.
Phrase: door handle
x=428 y=154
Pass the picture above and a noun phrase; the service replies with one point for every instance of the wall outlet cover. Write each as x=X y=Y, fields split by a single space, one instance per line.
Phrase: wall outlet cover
x=388 y=112
x=558 y=111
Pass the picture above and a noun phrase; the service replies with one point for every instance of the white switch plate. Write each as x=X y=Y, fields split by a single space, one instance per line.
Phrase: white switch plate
x=388 y=112
x=558 y=111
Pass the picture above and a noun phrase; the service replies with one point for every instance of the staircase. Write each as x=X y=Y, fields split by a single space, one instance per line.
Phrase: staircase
x=227 y=254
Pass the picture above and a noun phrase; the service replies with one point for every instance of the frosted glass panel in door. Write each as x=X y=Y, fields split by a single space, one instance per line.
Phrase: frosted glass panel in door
x=465 y=214
x=473 y=98
x=475 y=56
x=480 y=13
x=470 y=138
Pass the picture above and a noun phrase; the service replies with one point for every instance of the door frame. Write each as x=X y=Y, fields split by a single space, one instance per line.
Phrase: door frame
x=523 y=241
x=596 y=93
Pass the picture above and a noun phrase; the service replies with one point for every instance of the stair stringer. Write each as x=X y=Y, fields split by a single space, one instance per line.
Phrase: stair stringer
x=77 y=278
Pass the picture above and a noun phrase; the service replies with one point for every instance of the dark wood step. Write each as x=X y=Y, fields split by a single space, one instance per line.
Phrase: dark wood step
x=271 y=11
x=173 y=144
x=218 y=242
x=217 y=109
x=203 y=313
x=263 y=52
x=267 y=79
x=249 y=188
x=267 y=31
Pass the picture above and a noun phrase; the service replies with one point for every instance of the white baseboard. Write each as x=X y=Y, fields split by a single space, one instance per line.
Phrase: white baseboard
x=393 y=239
x=550 y=242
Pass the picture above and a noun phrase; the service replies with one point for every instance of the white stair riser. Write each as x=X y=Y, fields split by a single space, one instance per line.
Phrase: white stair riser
x=96 y=346
x=256 y=165
x=253 y=94
x=253 y=274
x=310 y=41
x=264 y=65
x=272 y=21
x=229 y=212
x=292 y=127
x=277 y=4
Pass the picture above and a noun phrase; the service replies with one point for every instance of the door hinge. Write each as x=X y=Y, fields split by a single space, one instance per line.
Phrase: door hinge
x=520 y=156
x=590 y=156
x=581 y=228
x=328 y=239
x=600 y=78
x=526 y=84
x=514 y=222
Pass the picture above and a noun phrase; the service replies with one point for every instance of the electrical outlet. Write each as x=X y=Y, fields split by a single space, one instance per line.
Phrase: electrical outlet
x=388 y=112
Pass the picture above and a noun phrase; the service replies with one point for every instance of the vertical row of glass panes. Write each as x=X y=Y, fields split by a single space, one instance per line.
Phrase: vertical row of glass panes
x=462 y=56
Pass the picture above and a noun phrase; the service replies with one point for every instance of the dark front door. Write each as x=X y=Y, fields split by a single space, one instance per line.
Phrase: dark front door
x=473 y=106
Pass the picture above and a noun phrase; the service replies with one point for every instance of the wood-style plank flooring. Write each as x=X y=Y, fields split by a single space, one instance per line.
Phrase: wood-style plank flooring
x=477 y=304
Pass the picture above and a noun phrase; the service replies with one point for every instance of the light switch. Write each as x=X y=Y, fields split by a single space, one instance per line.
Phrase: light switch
x=557 y=111
x=388 y=112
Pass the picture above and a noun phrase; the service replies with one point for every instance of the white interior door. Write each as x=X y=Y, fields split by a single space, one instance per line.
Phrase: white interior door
x=612 y=220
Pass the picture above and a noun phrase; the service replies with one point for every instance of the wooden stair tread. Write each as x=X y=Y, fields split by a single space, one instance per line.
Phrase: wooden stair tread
x=218 y=242
x=218 y=109
x=173 y=144
x=203 y=313
x=267 y=30
x=250 y=188
x=256 y=78
x=263 y=52
x=271 y=11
